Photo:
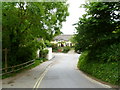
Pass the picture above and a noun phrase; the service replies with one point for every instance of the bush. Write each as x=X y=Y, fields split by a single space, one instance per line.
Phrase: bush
x=105 y=53
x=54 y=47
x=43 y=53
x=66 y=49
x=41 y=59
x=77 y=48
x=22 y=55
x=111 y=53
x=108 y=71
x=47 y=43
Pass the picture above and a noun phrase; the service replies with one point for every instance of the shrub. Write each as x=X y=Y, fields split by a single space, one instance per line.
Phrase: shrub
x=54 y=50
x=105 y=53
x=112 y=53
x=60 y=50
x=47 y=43
x=43 y=53
x=41 y=59
x=77 y=48
x=26 y=53
x=108 y=71
x=66 y=49
x=22 y=55
x=54 y=47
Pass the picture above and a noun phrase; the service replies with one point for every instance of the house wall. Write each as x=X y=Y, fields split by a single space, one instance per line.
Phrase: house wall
x=67 y=43
x=49 y=55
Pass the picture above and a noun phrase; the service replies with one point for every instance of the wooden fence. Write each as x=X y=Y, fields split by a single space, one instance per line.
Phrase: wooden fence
x=15 y=68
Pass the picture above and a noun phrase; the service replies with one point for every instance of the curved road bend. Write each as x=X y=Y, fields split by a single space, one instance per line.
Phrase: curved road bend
x=63 y=73
x=60 y=72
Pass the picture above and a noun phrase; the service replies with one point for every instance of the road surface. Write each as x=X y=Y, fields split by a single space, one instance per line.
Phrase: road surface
x=60 y=72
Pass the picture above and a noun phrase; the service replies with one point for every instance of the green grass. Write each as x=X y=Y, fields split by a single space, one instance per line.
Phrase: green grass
x=37 y=62
x=108 y=72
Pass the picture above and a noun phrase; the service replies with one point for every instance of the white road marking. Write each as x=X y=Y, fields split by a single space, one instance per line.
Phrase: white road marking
x=37 y=84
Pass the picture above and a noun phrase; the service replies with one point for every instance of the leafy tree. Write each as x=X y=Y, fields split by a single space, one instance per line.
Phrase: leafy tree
x=98 y=29
x=24 y=22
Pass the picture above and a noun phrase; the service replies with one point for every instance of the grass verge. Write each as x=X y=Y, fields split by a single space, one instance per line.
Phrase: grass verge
x=108 y=72
x=37 y=62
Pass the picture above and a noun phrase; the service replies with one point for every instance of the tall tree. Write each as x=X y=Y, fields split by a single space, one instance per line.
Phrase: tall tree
x=99 y=27
x=24 y=22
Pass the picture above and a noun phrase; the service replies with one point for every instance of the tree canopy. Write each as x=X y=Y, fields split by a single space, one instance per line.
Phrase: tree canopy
x=99 y=30
x=25 y=24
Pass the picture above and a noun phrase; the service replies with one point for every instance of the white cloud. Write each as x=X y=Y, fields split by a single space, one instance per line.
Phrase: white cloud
x=75 y=12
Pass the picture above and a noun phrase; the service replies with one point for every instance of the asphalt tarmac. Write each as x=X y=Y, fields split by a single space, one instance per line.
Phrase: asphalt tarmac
x=60 y=72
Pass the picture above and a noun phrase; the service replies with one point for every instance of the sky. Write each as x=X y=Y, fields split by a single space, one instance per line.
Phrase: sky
x=75 y=13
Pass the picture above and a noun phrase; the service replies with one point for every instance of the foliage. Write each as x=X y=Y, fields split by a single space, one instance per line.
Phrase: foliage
x=107 y=53
x=42 y=59
x=41 y=44
x=47 y=43
x=43 y=53
x=23 y=23
x=97 y=30
x=37 y=62
x=98 y=38
x=108 y=72
x=66 y=49
x=72 y=39
x=54 y=47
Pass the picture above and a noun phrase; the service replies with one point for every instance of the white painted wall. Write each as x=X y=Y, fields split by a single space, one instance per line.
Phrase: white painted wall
x=66 y=42
x=49 y=56
x=38 y=53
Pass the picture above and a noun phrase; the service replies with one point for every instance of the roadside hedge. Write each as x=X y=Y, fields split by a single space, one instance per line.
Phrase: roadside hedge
x=106 y=71
x=43 y=53
x=66 y=49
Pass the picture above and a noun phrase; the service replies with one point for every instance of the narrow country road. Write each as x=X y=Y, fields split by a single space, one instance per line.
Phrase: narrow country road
x=60 y=72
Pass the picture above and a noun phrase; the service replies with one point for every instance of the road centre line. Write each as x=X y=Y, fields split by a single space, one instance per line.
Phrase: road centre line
x=37 y=84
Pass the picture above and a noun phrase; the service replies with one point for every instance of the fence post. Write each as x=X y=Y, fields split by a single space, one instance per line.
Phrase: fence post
x=12 y=68
x=6 y=52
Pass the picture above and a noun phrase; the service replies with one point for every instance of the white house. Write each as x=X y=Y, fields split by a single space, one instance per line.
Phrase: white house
x=63 y=40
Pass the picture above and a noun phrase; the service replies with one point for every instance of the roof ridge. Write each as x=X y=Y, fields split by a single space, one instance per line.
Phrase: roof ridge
x=63 y=37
